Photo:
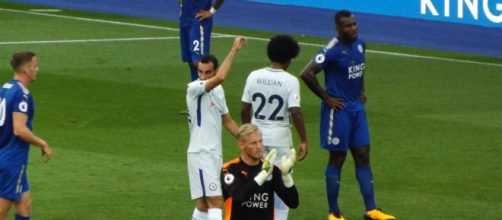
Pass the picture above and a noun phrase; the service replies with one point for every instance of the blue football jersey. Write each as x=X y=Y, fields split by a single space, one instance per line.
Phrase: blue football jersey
x=190 y=8
x=343 y=66
x=14 y=97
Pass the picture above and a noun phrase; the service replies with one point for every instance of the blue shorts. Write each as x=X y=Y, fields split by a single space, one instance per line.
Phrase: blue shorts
x=343 y=129
x=13 y=181
x=195 y=41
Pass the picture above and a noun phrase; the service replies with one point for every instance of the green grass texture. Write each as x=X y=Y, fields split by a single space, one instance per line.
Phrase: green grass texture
x=108 y=97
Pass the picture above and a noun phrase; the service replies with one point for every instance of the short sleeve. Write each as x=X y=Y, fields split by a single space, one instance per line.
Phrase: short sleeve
x=246 y=95
x=20 y=102
x=221 y=103
x=294 y=94
x=196 y=88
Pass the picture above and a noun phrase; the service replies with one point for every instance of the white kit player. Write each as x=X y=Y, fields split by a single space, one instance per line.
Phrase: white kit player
x=208 y=111
x=271 y=100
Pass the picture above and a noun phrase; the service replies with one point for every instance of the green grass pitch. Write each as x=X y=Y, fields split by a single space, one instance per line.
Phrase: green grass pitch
x=109 y=108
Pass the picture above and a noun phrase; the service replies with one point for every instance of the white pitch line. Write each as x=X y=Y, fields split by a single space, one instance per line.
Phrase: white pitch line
x=92 y=20
x=86 y=40
x=91 y=40
x=45 y=10
x=253 y=38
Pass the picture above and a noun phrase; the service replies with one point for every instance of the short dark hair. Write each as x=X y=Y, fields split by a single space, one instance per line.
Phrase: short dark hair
x=21 y=58
x=210 y=59
x=342 y=14
x=282 y=48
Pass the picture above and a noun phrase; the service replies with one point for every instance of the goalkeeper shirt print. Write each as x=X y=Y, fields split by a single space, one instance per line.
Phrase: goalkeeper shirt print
x=245 y=199
x=205 y=110
x=272 y=92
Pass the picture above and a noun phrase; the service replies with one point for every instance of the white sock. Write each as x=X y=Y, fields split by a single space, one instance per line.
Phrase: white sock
x=198 y=215
x=214 y=214
x=281 y=209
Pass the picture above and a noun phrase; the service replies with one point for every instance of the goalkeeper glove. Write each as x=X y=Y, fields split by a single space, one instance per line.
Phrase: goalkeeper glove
x=286 y=165
x=266 y=168
x=287 y=162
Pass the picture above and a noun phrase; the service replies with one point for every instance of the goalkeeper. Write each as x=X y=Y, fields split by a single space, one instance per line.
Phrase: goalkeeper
x=249 y=182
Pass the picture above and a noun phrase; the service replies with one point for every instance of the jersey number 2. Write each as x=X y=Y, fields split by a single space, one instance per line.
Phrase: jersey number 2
x=263 y=101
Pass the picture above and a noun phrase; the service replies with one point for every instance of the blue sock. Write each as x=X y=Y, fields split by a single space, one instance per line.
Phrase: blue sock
x=18 y=217
x=194 y=75
x=333 y=187
x=365 y=178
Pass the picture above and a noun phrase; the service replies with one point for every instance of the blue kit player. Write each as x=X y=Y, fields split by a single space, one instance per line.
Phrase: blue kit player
x=16 y=114
x=343 y=124
x=196 y=24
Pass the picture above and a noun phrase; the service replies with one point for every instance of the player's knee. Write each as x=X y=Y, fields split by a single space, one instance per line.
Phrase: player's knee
x=24 y=209
x=202 y=205
x=193 y=64
x=23 y=206
x=215 y=202
x=336 y=159
x=362 y=159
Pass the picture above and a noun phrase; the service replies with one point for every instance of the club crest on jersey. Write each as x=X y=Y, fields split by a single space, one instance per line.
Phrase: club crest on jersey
x=360 y=48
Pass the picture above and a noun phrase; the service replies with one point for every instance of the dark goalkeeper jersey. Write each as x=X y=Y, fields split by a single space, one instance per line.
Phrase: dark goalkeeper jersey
x=244 y=199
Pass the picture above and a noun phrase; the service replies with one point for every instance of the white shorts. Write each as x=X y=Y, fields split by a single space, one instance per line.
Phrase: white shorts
x=204 y=174
x=281 y=151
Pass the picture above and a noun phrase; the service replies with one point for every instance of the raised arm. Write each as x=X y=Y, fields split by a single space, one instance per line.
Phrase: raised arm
x=225 y=67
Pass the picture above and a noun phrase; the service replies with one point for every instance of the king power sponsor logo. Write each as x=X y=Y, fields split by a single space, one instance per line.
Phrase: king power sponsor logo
x=463 y=9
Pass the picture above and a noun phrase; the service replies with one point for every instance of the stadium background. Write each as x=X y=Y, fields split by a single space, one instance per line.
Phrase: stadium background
x=316 y=21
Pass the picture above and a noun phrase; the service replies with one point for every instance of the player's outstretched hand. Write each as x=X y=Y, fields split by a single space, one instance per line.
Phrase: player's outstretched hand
x=266 y=168
x=239 y=42
x=287 y=162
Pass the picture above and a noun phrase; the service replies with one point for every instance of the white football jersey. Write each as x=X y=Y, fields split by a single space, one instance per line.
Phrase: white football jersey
x=272 y=92
x=205 y=110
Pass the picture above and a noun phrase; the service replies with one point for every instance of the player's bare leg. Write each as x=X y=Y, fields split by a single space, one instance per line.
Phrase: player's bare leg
x=5 y=205
x=23 y=206
x=200 y=211
x=215 y=211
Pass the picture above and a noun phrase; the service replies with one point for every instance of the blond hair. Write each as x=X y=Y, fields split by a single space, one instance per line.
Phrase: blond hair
x=245 y=130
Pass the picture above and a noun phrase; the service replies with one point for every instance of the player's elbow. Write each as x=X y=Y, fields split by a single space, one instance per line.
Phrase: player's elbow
x=219 y=78
x=18 y=131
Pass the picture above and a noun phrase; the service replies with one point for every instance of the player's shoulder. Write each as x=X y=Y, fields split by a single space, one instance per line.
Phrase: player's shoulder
x=195 y=83
x=257 y=72
x=15 y=87
x=231 y=163
x=333 y=43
